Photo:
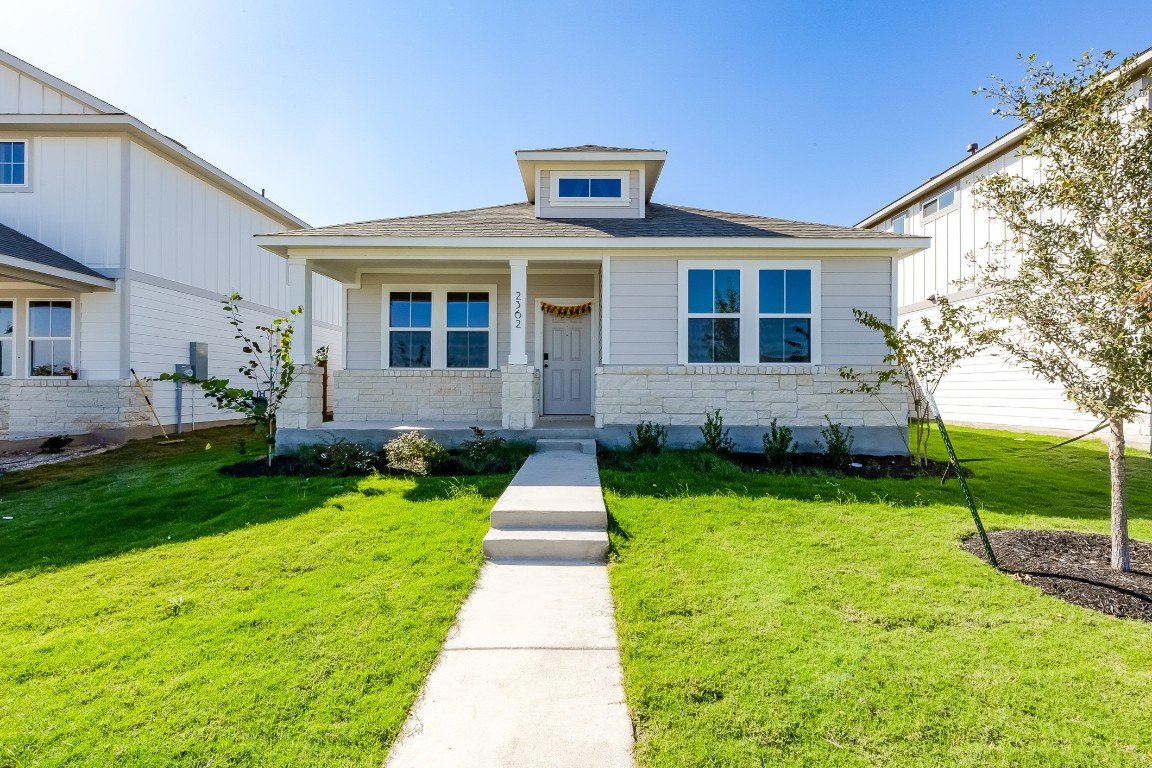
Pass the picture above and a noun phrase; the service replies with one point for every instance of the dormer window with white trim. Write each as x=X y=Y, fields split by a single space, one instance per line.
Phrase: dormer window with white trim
x=589 y=188
x=939 y=204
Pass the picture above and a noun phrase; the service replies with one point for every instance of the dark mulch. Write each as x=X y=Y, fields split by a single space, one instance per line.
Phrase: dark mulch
x=867 y=467
x=1075 y=567
x=293 y=466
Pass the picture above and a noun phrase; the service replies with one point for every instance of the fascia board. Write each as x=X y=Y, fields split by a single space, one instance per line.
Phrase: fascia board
x=54 y=276
x=904 y=245
x=155 y=140
x=595 y=157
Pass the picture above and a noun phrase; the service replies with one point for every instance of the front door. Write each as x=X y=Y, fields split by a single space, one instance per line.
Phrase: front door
x=567 y=374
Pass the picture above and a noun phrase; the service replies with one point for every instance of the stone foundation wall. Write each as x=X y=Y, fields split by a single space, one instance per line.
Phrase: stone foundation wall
x=419 y=395
x=520 y=396
x=746 y=396
x=301 y=406
x=40 y=407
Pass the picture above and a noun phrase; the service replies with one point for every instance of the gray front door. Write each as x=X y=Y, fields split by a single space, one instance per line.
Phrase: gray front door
x=567 y=375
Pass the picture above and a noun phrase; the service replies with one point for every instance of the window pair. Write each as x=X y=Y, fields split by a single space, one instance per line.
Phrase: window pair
x=49 y=338
x=780 y=315
x=425 y=326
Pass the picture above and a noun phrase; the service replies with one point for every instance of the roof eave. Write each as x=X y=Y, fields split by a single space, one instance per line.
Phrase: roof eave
x=30 y=271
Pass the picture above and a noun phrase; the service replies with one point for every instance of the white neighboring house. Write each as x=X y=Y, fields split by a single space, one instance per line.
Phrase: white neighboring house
x=986 y=390
x=116 y=246
x=588 y=308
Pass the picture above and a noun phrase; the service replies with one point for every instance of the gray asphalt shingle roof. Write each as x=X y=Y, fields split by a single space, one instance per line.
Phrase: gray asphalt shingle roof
x=20 y=246
x=519 y=220
x=591 y=148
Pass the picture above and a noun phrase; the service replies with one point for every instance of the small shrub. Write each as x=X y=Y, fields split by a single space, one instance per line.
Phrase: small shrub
x=55 y=444
x=779 y=447
x=412 y=452
x=836 y=443
x=489 y=454
x=649 y=437
x=716 y=438
x=340 y=457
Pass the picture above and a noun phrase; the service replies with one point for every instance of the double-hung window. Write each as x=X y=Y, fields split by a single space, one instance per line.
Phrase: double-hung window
x=50 y=338
x=440 y=327
x=749 y=312
x=7 y=320
x=13 y=164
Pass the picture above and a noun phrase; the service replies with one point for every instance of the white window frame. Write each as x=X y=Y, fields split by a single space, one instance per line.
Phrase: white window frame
x=27 y=185
x=750 y=308
x=12 y=339
x=554 y=188
x=890 y=225
x=439 y=323
x=29 y=338
x=927 y=215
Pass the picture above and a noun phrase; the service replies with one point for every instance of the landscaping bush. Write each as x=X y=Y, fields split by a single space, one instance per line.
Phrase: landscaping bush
x=779 y=447
x=338 y=458
x=489 y=454
x=837 y=443
x=716 y=438
x=414 y=453
x=55 y=444
x=649 y=437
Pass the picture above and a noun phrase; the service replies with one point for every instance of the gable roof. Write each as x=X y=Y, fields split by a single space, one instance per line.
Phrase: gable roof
x=27 y=256
x=86 y=99
x=519 y=220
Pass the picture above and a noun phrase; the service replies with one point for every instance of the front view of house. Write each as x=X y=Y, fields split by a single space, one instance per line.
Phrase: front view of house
x=592 y=308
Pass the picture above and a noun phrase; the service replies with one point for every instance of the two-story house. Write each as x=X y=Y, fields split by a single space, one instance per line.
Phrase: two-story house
x=588 y=305
x=116 y=245
x=986 y=390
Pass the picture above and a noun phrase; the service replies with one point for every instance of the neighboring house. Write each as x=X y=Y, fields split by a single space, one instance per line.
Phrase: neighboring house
x=116 y=246
x=986 y=390
x=589 y=307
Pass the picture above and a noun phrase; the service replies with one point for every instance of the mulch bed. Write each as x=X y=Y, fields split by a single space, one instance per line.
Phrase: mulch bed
x=867 y=467
x=1075 y=567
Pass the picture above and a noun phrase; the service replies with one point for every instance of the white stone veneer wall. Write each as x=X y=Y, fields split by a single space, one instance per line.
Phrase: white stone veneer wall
x=418 y=395
x=745 y=395
x=521 y=396
x=40 y=407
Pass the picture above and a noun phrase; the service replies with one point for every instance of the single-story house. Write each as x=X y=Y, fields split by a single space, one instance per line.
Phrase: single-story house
x=588 y=308
x=116 y=245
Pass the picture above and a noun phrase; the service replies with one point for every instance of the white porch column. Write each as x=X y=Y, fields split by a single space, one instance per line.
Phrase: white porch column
x=300 y=295
x=518 y=296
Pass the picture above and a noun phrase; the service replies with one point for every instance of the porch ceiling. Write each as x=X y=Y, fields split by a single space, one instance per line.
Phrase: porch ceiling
x=348 y=271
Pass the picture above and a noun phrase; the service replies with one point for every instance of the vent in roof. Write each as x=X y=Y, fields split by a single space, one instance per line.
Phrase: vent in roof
x=972 y=148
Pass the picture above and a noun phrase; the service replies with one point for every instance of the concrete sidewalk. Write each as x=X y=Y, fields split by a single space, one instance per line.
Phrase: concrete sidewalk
x=530 y=673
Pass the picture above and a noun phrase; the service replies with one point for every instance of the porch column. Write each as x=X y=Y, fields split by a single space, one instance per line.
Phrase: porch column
x=518 y=354
x=300 y=295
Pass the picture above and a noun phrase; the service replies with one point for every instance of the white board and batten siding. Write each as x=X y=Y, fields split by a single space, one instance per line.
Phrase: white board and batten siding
x=987 y=389
x=24 y=95
x=644 y=311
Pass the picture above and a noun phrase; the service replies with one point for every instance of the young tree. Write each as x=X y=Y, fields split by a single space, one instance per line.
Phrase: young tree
x=921 y=355
x=270 y=369
x=1062 y=292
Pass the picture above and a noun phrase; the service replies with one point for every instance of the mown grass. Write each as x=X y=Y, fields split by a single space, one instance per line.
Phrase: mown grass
x=811 y=620
x=155 y=613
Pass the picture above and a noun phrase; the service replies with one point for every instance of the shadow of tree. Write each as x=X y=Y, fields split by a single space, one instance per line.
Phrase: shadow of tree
x=142 y=495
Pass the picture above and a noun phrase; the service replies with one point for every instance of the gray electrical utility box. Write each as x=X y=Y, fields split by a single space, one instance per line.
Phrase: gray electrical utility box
x=198 y=359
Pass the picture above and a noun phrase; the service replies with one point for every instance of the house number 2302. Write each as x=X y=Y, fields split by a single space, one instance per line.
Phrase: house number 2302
x=516 y=313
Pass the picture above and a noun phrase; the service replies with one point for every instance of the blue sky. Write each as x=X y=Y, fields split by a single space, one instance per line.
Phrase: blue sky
x=344 y=111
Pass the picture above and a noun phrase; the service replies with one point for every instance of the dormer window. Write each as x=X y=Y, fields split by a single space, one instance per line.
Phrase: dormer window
x=589 y=188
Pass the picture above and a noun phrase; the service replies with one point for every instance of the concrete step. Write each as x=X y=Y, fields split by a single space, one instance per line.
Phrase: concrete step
x=554 y=444
x=568 y=545
x=549 y=519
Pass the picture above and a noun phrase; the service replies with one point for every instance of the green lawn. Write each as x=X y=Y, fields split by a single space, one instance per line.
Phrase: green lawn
x=156 y=613
x=818 y=621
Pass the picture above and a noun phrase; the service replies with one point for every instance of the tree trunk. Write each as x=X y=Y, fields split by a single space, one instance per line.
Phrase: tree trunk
x=1121 y=551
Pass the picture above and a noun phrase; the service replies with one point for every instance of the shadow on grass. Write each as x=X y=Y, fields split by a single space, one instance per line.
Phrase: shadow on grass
x=442 y=488
x=1011 y=475
x=140 y=496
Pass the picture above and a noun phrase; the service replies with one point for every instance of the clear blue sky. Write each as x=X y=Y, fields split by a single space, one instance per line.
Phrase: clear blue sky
x=344 y=111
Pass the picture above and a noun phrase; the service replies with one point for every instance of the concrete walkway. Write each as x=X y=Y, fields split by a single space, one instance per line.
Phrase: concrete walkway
x=530 y=673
